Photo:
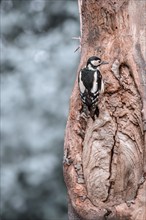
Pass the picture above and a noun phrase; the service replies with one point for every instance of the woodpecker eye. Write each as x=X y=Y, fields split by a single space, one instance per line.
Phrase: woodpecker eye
x=95 y=62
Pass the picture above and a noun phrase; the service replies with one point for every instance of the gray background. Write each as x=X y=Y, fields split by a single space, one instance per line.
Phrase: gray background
x=38 y=69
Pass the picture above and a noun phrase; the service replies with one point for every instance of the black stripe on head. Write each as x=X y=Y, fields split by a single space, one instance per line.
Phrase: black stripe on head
x=94 y=61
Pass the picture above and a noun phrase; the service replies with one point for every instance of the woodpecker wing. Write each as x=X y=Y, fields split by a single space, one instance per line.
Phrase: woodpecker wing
x=90 y=85
x=87 y=77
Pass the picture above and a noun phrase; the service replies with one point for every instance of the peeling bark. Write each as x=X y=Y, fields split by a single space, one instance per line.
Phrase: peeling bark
x=105 y=160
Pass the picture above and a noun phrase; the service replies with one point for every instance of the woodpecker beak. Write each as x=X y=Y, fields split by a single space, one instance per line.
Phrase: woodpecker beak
x=104 y=62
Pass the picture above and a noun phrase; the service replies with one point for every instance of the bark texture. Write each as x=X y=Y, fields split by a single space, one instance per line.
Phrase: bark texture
x=105 y=159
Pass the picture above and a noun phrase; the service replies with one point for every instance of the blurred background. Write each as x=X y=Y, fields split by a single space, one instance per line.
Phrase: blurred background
x=38 y=69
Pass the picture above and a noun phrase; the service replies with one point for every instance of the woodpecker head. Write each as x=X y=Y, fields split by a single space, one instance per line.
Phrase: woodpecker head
x=94 y=63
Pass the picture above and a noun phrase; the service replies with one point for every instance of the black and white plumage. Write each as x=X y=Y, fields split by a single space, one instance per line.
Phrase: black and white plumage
x=91 y=85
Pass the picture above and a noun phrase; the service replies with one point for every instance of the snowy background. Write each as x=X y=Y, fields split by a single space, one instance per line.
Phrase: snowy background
x=38 y=69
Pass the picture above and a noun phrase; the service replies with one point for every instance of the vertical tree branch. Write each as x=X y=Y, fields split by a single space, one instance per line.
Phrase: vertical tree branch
x=105 y=160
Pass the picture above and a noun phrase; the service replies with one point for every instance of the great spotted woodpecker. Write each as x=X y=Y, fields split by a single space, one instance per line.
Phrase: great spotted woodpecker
x=91 y=85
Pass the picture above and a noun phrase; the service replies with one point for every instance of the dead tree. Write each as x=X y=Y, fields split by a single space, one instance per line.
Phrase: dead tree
x=105 y=159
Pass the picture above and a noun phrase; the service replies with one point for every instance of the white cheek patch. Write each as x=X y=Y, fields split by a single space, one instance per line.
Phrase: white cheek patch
x=95 y=62
x=94 y=88
x=90 y=67
x=81 y=85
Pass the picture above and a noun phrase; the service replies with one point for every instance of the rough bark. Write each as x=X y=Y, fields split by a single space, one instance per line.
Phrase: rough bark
x=105 y=159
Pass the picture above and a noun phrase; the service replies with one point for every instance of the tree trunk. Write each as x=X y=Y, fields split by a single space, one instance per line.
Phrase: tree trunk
x=105 y=159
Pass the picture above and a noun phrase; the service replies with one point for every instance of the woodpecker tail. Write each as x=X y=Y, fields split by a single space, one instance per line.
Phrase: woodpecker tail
x=94 y=111
x=97 y=111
